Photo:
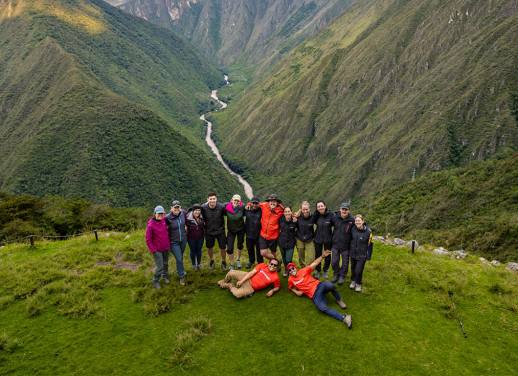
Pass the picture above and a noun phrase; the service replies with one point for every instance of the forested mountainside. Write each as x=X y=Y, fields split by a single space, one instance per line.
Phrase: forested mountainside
x=254 y=33
x=390 y=90
x=95 y=103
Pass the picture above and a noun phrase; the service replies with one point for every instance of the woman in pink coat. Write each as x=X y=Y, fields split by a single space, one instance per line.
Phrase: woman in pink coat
x=157 y=240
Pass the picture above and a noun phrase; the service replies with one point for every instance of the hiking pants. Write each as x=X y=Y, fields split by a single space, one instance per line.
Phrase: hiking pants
x=357 y=267
x=254 y=252
x=340 y=270
x=319 y=299
x=319 y=247
x=161 y=265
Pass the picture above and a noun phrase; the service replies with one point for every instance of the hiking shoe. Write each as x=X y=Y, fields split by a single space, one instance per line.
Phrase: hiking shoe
x=167 y=281
x=341 y=281
x=182 y=281
x=248 y=265
x=341 y=304
x=238 y=264
x=352 y=285
x=157 y=285
x=211 y=264
x=316 y=275
x=348 y=320
x=231 y=267
x=358 y=288
x=325 y=275
x=223 y=265
x=335 y=279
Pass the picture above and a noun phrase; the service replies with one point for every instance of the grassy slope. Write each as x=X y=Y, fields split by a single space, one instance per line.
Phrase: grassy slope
x=388 y=87
x=474 y=208
x=71 y=316
x=78 y=105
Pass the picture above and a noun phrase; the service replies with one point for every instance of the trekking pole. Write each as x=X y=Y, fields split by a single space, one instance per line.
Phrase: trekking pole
x=413 y=246
x=461 y=324
x=96 y=235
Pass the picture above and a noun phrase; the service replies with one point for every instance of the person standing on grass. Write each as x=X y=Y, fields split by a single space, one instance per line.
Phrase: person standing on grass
x=176 y=222
x=323 y=240
x=361 y=251
x=195 y=235
x=242 y=284
x=300 y=282
x=214 y=215
x=305 y=234
x=271 y=213
x=343 y=223
x=235 y=229
x=252 y=230
x=157 y=241
x=288 y=230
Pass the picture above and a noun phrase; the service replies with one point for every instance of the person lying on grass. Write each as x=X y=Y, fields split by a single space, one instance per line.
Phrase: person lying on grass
x=262 y=276
x=301 y=282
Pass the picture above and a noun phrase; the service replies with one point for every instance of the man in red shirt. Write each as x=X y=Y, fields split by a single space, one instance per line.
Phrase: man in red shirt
x=301 y=282
x=271 y=213
x=262 y=276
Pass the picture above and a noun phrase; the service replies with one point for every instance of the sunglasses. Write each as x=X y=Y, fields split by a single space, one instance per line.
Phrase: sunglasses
x=274 y=264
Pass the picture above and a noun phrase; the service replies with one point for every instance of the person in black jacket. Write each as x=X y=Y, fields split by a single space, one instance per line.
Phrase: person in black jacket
x=252 y=230
x=323 y=240
x=175 y=221
x=343 y=223
x=361 y=250
x=305 y=234
x=288 y=230
x=214 y=214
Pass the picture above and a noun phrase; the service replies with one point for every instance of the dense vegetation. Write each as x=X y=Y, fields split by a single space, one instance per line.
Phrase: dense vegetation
x=86 y=307
x=24 y=215
x=388 y=90
x=101 y=105
x=473 y=208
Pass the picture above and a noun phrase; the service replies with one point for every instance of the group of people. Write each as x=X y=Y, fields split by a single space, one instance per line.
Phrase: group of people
x=335 y=238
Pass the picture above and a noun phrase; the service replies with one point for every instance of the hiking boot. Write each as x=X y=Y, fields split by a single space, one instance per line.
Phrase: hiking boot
x=167 y=281
x=248 y=265
x=211 y=264
x=335 y=279
x=182 y=281
x=341 y=281
x=157 y=285
x=238 y=264
x=348 y=320
x=358 y=288
x=352 y=285
x=341 y=304
x=325 y=275
x=316 y=275
x=231 y=267
x=223 y=266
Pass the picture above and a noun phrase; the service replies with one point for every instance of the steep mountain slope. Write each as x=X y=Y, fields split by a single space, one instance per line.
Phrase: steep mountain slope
x=474 y=208
x=244 y=31
x=91 y=103
x=389 y=90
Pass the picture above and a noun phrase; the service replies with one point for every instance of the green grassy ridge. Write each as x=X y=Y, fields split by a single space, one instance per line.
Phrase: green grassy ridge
x=387 y=88
x=474 y=208
x=70 y=314
x=67 y=131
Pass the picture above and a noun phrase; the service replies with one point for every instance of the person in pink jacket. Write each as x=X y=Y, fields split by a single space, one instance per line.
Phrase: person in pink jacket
x=157 y=240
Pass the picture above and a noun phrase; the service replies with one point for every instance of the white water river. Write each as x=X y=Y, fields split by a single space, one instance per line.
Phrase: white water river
x=208 y=139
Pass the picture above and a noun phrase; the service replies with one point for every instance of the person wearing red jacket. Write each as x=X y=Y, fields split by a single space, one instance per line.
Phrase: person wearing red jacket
x=301 y=282
x=262 y=276
x=157 y=241
x=271 y=213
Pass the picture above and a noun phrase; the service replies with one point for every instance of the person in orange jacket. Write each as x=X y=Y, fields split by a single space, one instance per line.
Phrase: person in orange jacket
x=271 y=212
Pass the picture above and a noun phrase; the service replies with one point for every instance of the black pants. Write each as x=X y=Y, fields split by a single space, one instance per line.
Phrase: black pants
x=340 y=270
x=231 y=236
x=357 y=267
x=254 y=252
x=319 y=247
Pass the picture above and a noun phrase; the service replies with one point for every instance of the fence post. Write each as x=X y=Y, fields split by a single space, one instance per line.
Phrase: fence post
x=413 y=246
x=31 y=239
x=96 y=236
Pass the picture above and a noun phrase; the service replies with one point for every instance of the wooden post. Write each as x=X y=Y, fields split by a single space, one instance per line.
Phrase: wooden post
x=31 y=239
x=413 y=246
x=96 y=236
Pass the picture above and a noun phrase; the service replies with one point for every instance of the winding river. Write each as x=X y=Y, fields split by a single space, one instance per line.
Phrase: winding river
x=208 y=139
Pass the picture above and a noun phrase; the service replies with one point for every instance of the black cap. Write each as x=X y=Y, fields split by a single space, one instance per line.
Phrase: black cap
x=273 y=197
x=345 y=205
x=255 y=199
x=175 y=203
x=196 y=206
